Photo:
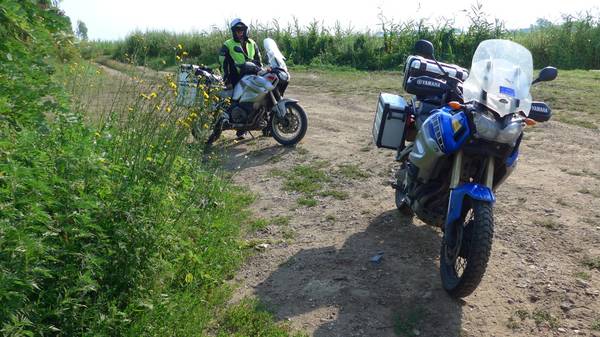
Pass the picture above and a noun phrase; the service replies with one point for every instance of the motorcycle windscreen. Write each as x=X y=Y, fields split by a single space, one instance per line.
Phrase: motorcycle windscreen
x=500 y=77
x=276 y=58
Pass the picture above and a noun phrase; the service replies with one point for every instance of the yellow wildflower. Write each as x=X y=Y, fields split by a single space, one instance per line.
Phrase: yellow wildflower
x=153 y=95
x=178 y=58
x=180 y=46
x=185 y=53
x=168 y=109
x=145 y=96
x=205 y=126
x=130 y=109
x=189 y=278
x=205 y=95
x=173 y=85
x=163 y=62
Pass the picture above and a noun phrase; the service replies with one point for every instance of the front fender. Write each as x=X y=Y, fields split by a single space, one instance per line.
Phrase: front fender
x=280 y=107
x=457 y=196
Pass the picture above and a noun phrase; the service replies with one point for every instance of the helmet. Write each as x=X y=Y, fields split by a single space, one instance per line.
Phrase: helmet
x=237 y=23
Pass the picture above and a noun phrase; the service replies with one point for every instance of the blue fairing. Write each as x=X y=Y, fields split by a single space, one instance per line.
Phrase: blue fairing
x=513 y=157
x=450 y=131
x=457 y=196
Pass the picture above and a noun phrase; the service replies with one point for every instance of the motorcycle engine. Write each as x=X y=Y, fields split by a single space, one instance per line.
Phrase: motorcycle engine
x=240 y=112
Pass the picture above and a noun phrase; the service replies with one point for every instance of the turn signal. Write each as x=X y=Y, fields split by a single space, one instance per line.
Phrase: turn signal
x=454 y=105
x=530 y=122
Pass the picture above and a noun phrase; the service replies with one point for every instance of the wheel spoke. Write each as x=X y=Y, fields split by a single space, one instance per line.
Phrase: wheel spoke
x=289 y=126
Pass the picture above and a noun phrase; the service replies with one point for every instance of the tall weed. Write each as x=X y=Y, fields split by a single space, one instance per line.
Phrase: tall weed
x=572 y=43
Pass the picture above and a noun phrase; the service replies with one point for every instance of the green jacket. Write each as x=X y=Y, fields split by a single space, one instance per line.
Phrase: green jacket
x=232 y=56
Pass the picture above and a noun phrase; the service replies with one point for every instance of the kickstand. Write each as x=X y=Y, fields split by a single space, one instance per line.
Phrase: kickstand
x=251 y=135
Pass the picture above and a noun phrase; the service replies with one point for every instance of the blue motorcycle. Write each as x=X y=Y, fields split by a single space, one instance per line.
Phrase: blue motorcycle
x=457 y=140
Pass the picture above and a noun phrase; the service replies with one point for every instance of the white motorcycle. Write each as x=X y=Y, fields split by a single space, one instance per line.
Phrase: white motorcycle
x=258 y=103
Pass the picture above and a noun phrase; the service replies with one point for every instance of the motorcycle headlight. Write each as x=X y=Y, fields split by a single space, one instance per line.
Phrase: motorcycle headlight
x=511 y=132
x=491 y=129
x=284 y=76
x=486 y=126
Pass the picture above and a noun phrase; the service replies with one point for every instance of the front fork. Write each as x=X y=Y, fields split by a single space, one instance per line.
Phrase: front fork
x=458 y=191
x=457 y=171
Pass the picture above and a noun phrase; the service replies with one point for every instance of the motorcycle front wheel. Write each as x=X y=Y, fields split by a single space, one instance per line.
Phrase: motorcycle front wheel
x=463 y=263
x=290 y=129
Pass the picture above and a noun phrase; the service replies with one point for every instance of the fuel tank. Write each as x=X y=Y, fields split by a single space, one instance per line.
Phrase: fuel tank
x=441 y=135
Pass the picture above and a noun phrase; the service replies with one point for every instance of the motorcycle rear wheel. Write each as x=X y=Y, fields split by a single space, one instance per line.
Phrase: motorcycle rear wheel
x=289 y=130
x=462 y=267
x=216 y=133
x=400 y=193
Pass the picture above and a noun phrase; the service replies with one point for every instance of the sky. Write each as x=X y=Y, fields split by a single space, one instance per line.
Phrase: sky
x=115 y=19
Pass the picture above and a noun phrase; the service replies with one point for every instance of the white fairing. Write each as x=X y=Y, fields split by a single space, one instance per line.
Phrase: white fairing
x=276 y=58
x=500 y=77
x=251 y=88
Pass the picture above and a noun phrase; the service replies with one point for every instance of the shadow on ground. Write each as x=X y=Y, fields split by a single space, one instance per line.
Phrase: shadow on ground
x=351 y=296
x=250 y=152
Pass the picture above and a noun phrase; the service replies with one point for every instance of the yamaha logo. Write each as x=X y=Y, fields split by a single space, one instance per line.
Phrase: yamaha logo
x=539 y=108
x=429 y=83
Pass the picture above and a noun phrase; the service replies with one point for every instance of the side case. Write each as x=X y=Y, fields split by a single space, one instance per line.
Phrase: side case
x=187 y=86
x=390 y=121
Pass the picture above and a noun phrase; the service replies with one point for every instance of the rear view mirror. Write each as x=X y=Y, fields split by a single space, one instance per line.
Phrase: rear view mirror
x=546 y=74
x=424 y=48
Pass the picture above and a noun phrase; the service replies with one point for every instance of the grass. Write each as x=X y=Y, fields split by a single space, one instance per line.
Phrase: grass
x=539 y=316
x=306 y=179
x=339 y=195
x=522 y=314
x=288 y=233
x=515 y=320
x=314 y=179
x=548 y=223
x=308 y=202
x=281 y=220
x=572 y=97
x=512 y=323
x=251 y=318
x=591 y=262
x=583 y=275
x=407 y=325
x=543 y=317
x=259 y=224
x=343 y=83
x=352 y=171
x=595 y=325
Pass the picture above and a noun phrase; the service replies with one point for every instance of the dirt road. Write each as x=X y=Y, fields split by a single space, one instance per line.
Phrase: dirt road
x=543 y=277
